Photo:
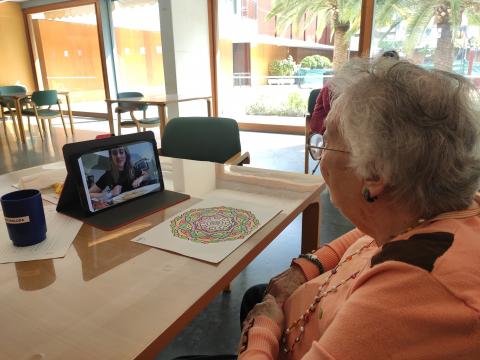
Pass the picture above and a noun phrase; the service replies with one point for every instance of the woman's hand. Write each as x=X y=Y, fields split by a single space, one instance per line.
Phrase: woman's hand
x=136 y=183
x=117 y=189
x=284 y=284
x=268 y=308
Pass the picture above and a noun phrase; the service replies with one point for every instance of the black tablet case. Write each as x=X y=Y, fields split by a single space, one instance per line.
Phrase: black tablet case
x=118 y=215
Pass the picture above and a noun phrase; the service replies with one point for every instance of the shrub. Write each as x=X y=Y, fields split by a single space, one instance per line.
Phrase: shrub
x=285 y=67
x=294 y=105
x=316 y=62
x=308 y=62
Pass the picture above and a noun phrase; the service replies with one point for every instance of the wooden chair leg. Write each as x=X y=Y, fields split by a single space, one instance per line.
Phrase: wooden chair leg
x=29 y=125
x=44 y=127
x=2 y=116
x=63 y=123
x=39 y=126
x=15 y=128
x=119 y=124
x=50 y=126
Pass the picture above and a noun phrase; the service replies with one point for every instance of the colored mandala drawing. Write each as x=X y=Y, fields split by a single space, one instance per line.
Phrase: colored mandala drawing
x=213 y=225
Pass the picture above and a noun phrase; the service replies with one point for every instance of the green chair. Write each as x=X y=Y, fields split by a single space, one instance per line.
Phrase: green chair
x=214 y=139
x=40 y=107
x=124 y=107
x=205 y=139
x=7 y=106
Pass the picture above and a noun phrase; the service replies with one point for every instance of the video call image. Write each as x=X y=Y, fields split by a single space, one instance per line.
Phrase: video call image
x=119 y=174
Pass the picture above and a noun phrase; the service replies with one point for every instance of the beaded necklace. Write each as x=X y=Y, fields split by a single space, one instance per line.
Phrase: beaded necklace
x=323 y=291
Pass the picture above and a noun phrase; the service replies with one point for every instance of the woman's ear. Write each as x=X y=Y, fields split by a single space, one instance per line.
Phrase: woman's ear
x=375 y=186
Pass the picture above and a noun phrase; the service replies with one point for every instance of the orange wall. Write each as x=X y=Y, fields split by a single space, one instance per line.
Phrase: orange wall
x=261 y=56
x=14 y=59
x=73 y=60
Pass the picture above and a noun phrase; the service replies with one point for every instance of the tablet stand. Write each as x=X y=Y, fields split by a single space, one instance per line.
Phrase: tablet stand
x=118 y=215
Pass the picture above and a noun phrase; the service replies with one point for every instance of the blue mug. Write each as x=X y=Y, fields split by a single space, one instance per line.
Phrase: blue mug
x=25 y=218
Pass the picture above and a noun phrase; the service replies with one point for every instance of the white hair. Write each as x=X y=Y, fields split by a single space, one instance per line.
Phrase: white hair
x=417 y=129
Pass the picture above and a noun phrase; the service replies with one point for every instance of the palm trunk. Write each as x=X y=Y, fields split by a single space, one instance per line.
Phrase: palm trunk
x=340 y=47
x=443 y=59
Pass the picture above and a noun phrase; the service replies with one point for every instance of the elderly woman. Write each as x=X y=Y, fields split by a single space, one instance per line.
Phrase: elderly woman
x=401 y=158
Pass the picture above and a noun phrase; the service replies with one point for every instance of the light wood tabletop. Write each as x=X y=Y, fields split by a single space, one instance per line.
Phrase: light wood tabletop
x=18 y=105
x=111 y=298
x=161 y=101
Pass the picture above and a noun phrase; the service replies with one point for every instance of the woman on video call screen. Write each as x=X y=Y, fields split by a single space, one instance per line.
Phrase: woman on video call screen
x=130 y=171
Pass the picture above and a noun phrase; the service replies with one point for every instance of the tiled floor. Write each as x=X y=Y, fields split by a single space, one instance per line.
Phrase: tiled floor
x=216 y=329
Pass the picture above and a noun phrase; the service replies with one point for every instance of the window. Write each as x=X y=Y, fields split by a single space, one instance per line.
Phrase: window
x=431 y=34
x=67 y=55
x=268 y=68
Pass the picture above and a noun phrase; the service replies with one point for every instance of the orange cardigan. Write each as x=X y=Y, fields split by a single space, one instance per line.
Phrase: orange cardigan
x=416 y=297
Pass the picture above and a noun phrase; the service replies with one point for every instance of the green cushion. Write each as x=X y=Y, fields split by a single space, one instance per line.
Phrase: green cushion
x=43 y=113
x=150 y=121
x=201 y=138
x=128 y=123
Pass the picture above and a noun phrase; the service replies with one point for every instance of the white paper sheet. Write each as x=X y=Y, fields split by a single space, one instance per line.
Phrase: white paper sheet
x=61 y=231
x=161 y=236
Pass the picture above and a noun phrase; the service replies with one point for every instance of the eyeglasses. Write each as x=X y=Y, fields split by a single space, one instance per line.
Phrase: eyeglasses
x=116 y=152
x=317 y=145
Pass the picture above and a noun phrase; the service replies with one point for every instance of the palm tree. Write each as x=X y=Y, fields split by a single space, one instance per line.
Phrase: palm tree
x=342 y=16
x=447 y=15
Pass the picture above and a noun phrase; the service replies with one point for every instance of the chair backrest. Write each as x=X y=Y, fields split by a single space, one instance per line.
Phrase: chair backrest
x=312 y=98
x=9 y=90
x=12 y=89
x=201 y=138
x=129 y=106
x=45 y=97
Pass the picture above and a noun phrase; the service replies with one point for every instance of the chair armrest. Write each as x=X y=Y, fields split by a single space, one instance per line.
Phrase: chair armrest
x=239 y=159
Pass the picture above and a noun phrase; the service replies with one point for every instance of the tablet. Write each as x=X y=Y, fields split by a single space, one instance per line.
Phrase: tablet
x=113 y=181
x=118 y=173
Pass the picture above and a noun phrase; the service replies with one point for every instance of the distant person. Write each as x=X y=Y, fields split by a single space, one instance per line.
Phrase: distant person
x=324 y=99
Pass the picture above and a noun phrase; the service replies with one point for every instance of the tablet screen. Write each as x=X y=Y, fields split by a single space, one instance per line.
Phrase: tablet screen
x=118 y=174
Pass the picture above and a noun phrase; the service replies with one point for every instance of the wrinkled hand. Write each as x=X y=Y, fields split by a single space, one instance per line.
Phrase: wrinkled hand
x=268 y=308
x=284 y=284
x=136 y=183
x=116 y=190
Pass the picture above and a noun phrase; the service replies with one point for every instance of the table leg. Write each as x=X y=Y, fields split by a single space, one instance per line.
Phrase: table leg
x=311 y=227
x=162 y=114
x=110 y=118
x=209 y=107
x=67 y=97
x=18 y=112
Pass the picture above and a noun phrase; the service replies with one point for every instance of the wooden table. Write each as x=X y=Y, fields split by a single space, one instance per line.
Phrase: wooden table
x=160 y=101
x=111 y=298
x=18 y=106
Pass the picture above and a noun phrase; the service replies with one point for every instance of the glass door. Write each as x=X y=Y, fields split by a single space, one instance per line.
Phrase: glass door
x=138 y=46
x=67 y=55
